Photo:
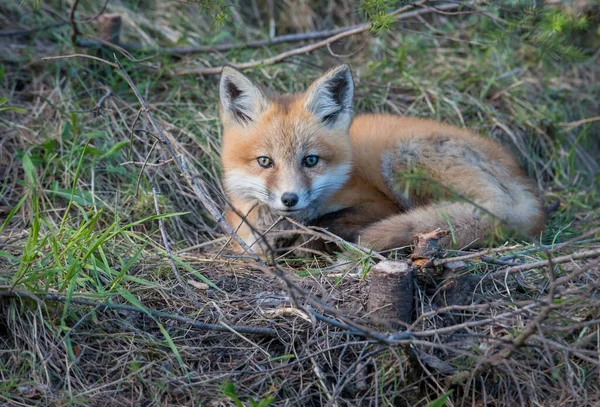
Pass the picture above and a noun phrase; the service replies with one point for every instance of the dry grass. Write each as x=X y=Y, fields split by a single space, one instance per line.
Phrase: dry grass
x=84 y=271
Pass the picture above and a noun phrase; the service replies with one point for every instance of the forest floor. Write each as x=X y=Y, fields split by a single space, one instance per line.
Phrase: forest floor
x=91 y=309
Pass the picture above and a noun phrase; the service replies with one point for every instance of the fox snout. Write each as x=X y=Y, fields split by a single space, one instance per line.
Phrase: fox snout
x=289 y=199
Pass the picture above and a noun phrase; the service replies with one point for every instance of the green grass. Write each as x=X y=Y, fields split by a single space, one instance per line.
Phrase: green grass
x=78 y=219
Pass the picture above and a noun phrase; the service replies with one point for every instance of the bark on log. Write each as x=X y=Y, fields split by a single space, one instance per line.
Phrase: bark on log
x=391 y=295
x=427 y=247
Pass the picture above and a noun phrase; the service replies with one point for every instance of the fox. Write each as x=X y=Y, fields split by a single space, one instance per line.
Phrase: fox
x=373 y=179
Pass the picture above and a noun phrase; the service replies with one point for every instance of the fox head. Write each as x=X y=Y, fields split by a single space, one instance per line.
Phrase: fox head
x=289 y=152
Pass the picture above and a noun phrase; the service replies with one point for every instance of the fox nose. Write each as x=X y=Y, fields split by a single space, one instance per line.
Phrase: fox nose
x=289 y=199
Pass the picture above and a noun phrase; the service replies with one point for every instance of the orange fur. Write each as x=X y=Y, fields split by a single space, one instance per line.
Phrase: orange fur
x=380 y=180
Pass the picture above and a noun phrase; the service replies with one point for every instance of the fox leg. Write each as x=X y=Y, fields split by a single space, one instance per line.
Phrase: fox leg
x=250 y=222
x=260 y=228
x=468 y=226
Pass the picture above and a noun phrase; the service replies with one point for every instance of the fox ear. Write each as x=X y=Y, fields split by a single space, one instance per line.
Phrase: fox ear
x=330 y=97
x=241 y=101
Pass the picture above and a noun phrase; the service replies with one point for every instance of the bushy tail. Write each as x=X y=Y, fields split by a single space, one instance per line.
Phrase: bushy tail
x=468 y=226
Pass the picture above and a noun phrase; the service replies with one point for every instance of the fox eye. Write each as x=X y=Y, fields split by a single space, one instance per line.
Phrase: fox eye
x=264 y=162
x=310 y=161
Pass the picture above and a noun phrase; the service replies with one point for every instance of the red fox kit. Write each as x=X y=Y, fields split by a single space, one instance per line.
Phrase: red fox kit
x=378 y=179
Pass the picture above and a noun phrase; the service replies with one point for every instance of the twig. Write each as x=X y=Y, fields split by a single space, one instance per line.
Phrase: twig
x=62 y=22
x=104 y=61
x=445 y=13
x=226 y=325
x=534 y=325
x=471 y=307
x=576 y=352
x=98 y=107
x=577 y=273
x=177 y=51
x=109 y=305
x=99 y=43
x=574 y=124
x=98 y=14
x=553 y=248
x=470 y=324
x=131 y=134
x=399 y=14
x=577 y=239
x=243 y=219
x=439 y=262
x=281 y=39
x=570 y=327
x=75 y=30
x=103 y=98
x=327 y=235
x=542 y=263
x=147 y=164
x=163 y=232
x=144 y=164
x=276 y=40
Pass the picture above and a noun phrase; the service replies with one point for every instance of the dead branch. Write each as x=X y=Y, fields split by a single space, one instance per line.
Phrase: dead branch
x=71 y=21
x=472 y=324
x=325 y=234
x=104 y=61
x=400 y=14
x=98 y=107
x=576 y=352
x=474 y=255
x=535 y=324
x=483 y=254
x=456 y=307
x=163 y=232
x=74 y=28
x=144 y=164
x=275 y=40
x=584 y=254
x=572 y=125
x=159 y=314
x=180 y=51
